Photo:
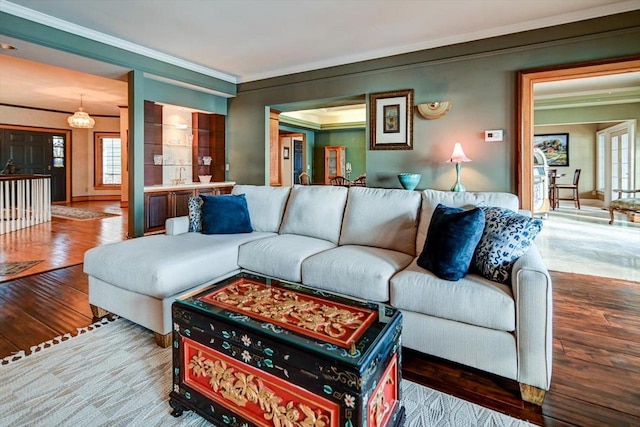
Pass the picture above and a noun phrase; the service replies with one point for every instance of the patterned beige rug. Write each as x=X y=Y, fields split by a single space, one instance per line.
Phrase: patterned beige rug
x=114 y=374
x=77 y=214
x=11 y=268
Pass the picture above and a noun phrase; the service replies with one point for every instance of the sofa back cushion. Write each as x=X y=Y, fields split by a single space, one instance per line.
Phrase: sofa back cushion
x=465 y=199
x=381 y=218
x=315 y=211
x=266 y=205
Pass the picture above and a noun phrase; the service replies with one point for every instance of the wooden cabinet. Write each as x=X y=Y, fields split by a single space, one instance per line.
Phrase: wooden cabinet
x=152 y=142
x=161 y=205
x=209 y=140
x=275 y=166
x=334 y=162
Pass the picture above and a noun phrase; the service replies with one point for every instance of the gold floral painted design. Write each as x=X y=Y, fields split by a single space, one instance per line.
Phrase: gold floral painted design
x=385 y=396
x=334 y=322
x=243 y=388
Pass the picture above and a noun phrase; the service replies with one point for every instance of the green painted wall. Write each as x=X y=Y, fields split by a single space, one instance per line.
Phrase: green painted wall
x=479 y=78
x=353 y=139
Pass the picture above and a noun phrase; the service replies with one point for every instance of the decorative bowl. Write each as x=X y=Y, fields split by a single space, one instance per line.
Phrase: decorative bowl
x=204 y=178
x=409 y=181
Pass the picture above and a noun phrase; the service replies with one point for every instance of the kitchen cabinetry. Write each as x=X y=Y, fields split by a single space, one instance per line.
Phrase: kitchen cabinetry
x=334 y=162
x=163 y=202
x=195 y=146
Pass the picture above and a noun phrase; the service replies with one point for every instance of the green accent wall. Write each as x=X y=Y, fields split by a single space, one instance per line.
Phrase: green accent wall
x=478 y=78
x=353 y=139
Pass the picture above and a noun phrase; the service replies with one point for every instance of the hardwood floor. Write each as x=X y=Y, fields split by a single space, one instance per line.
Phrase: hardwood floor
x=596 y=367
x=62 y=242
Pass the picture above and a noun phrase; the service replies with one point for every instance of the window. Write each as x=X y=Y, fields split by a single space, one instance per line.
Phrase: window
x=58 y=151
x=108 y=160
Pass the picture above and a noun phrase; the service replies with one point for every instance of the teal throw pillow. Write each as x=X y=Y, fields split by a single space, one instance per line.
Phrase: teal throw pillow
x=506 y=237
x=226 y=214
x=451 y=241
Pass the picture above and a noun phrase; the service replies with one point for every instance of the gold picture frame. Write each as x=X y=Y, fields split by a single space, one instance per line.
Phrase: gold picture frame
x=391 y=120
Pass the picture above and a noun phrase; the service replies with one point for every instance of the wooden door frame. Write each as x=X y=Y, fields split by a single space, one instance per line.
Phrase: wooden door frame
x=526 y=80
x=67 y=150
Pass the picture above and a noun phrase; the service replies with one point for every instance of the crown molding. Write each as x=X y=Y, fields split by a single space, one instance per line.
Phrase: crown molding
x=78 y=30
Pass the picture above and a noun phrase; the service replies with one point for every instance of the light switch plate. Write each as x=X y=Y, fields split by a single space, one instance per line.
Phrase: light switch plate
x=493 y=135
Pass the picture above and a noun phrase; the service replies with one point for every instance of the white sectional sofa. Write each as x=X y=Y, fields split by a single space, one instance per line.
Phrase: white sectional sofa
x=362 y=242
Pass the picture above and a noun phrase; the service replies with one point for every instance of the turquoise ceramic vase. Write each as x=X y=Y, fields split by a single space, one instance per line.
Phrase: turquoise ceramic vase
x=409 y=181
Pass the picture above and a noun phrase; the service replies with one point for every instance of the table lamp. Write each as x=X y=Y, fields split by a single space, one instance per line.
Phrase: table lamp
x=458 y=157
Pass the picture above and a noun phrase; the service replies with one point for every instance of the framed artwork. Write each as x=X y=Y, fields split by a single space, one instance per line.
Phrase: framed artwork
x=285 y=153
x=391 y=120
x=555 y=147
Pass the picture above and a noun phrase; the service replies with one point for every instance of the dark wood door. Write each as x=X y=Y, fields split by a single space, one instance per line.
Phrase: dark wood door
x=34 y=153
x=297 y=160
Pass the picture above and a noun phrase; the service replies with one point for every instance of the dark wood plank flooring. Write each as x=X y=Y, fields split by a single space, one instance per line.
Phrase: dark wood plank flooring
x=596 y=369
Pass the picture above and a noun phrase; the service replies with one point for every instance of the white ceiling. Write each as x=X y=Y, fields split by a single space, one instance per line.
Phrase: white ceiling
x=246 y=40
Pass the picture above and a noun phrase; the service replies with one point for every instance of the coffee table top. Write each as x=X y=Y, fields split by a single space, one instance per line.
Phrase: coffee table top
x=319 y=321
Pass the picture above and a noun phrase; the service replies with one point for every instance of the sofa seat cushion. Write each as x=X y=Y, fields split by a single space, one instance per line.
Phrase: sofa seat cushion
x=281 y=256
x=381 y=218
x=161 y=265
x=358 y=271
x=473 y=299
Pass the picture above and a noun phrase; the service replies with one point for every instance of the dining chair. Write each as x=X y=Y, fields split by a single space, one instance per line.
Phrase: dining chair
x=340 y=180
x=553 y=196
x=360 y=181
x=304 y=179
x=575 y=195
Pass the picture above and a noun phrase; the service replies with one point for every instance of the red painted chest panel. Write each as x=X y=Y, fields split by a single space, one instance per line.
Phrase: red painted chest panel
x=255 y=351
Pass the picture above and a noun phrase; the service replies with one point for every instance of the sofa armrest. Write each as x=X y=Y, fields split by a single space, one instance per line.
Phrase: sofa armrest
x=532 y=290
x=177 y=225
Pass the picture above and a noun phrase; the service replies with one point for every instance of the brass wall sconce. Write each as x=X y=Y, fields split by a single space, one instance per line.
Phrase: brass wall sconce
x=434 y=110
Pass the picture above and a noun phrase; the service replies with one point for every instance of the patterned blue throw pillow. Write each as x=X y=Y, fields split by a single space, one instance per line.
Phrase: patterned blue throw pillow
x=506 y=237
x=195 y=214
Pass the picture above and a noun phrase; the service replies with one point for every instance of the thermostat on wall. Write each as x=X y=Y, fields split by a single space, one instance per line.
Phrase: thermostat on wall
x=493 y=135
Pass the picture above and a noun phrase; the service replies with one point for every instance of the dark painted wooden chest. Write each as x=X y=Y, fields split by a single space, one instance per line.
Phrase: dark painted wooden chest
x=257 y=351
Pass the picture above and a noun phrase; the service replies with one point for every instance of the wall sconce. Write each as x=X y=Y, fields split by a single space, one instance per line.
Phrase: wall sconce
x=458 y=157
x=434 y=110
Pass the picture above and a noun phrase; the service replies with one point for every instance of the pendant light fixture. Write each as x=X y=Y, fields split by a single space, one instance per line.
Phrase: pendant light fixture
x=80 y=119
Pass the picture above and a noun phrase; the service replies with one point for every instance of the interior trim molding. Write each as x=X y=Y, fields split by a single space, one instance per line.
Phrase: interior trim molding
x=525 y=114
x=78 y=30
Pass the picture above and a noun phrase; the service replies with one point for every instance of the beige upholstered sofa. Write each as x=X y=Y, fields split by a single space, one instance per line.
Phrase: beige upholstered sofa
x=362 y=242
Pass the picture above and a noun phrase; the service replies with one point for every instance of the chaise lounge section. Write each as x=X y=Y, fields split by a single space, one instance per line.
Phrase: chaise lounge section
x=361 y=242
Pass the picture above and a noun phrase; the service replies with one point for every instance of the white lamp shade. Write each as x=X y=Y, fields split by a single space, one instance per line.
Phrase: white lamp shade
x=458 y=155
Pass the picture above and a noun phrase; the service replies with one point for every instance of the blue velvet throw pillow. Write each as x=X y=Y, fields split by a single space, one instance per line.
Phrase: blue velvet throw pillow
x=227 y=214
x=451 y=241
x=506 y=237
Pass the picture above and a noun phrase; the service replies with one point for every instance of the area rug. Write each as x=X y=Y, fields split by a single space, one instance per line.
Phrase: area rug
x=113 y=373
x=11 y=268
x=76 y=214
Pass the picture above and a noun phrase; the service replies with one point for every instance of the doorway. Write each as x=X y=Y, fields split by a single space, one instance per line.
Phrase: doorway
x=526 y=81
x=39 y=152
